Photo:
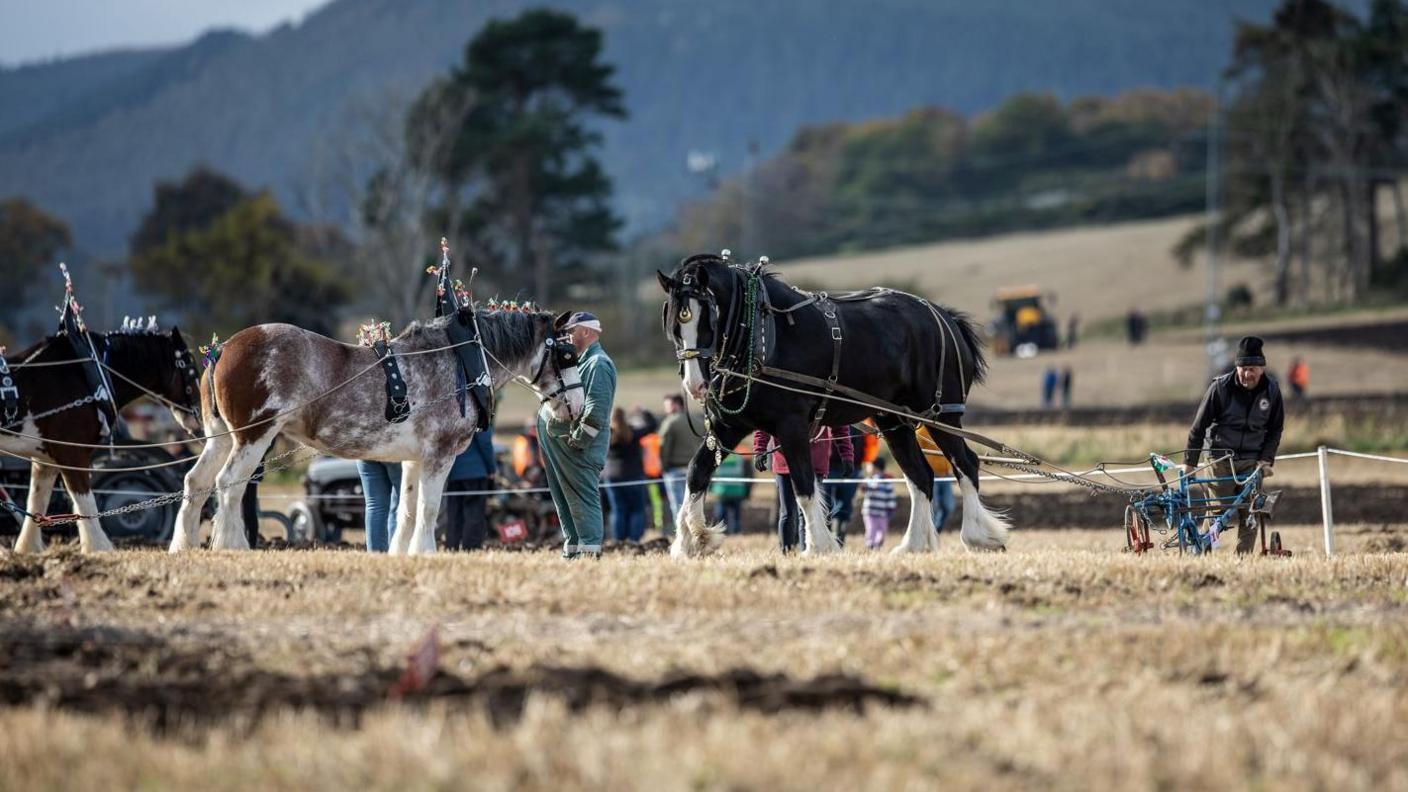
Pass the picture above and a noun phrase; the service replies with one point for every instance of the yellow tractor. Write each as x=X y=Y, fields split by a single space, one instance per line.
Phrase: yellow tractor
x=1022 y=321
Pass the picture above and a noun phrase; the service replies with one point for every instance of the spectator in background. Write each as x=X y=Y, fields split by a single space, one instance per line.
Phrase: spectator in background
x=625 y=474
x=941 y=502
x=650 y=453
x=730 y=495
x=1136 y=326
x=788 y=514
x=473 y=472
x=1072 y=331
x=1049 y=380
x=678 y=442
x=879 y=503
x=381 y=488
x=1299 y=377
x=1066 y=376
x=842 y=495
x=527 y=459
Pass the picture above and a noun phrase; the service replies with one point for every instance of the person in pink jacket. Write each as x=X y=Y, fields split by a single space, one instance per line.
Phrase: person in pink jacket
x=765 y=454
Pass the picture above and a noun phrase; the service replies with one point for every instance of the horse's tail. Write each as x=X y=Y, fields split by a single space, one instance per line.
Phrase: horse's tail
x=207 y=393
x=968 y=332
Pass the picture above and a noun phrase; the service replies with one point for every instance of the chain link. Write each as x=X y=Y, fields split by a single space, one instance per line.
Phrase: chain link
x=89 y=399
x=1068 y=478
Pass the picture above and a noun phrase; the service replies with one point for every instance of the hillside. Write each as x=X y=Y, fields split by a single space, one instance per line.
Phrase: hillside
x=86 y=138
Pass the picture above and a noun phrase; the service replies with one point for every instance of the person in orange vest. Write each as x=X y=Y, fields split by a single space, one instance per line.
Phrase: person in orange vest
x=941 y=502
x=1299 y=377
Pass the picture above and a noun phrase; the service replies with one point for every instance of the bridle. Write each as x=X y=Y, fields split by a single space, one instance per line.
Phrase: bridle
x=190 y=375
x=717 y=350
x=561 y=355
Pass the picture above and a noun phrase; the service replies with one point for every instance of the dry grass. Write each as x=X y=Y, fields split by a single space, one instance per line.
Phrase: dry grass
x=1063 y=663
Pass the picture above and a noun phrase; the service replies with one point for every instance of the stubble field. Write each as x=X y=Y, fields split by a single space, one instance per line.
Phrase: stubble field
x=1064 y=663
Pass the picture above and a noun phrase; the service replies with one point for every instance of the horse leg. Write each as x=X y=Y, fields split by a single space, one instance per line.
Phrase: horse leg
x=794 y=436
x=41 y=486
x=693 y=537
x=406 y=508
x=91 y=538
x=427 y=505
x=920 y=536
x=200 y=479
x=243 y=460
x=983 y=529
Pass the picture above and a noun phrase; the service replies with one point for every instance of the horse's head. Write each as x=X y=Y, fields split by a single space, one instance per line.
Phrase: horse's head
x=160 y=365
x=531 y=346
x=556 y=378
x=690 y=316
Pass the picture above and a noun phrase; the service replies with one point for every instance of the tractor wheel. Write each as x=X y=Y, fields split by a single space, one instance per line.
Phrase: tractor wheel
x=305 y=525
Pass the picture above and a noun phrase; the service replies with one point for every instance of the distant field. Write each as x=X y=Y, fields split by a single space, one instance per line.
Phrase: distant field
x=1097 y=272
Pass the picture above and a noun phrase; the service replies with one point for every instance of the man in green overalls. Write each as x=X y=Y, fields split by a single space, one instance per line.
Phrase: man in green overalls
x=576 y=452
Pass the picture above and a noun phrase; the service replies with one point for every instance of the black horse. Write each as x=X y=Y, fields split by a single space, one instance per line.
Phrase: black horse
x=54 y=403
x=760 y=354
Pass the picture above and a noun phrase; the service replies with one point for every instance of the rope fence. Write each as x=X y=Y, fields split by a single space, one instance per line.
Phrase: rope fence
x=1321 y=454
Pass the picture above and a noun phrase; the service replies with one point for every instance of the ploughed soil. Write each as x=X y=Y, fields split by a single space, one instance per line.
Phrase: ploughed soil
x=167 y=683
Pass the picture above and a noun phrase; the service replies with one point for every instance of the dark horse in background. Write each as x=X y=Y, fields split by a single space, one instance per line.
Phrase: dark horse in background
x=50 y=379
x=890 y=346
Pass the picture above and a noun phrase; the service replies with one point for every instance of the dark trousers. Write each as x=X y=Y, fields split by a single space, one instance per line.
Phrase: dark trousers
x=627 y=512
x=789 y=514
x=842 y=498
x=1246 y=533
x=249 y=506
x=466 y=523
x=729 y=511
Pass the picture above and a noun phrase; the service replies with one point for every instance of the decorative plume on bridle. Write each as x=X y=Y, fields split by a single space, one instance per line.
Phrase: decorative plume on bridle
x=135 y=325
x=374 y=332
x=452 y=294
x=209 y=353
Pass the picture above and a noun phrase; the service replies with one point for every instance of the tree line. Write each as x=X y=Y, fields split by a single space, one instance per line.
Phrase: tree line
x=499 y=155
x=1316 y=135
x=931 y=174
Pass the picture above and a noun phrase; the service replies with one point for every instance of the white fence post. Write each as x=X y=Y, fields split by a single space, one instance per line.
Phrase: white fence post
x=1326 y=512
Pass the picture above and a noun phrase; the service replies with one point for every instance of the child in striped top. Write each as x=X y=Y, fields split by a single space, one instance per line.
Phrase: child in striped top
x=879 y=504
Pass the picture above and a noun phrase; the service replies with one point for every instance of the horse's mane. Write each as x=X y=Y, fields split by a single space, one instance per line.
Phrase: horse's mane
x=512 y=335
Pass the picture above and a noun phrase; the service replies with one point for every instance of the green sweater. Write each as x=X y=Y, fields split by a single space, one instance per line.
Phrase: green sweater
x=591 y=434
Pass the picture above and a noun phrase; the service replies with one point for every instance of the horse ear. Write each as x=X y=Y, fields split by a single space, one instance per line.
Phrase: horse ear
x=665 y=282
x=561 y=320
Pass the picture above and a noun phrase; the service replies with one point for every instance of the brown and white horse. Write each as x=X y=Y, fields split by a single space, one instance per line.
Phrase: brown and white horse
x=51 y=383
x=331 y=396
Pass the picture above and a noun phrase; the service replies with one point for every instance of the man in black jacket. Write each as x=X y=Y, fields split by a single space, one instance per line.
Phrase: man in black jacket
x=1242 y=414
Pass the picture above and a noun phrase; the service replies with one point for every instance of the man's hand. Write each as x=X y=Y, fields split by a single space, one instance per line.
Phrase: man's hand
x=1266 y=469
x=760 y=462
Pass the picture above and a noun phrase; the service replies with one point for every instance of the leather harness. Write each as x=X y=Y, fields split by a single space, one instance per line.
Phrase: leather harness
x=9 y=392
x=827 y=305
x=398 y=404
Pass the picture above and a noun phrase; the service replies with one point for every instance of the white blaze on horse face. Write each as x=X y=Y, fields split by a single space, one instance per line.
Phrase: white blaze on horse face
x=575 y=399
x=694 y=382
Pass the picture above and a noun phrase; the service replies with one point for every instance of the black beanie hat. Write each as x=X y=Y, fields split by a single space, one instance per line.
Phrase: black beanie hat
x=1249 y=352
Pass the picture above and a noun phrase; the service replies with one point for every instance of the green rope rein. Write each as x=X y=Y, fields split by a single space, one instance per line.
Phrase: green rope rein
x=750 y=304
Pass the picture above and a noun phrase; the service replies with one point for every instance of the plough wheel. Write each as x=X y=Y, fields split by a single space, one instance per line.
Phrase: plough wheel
x=1136 y=532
